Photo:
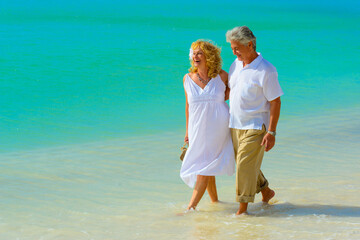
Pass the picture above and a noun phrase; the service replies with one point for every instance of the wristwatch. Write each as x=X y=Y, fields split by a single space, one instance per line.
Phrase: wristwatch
x=272 y=133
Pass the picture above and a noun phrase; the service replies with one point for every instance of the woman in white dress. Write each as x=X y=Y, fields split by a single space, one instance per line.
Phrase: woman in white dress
x=210 y=151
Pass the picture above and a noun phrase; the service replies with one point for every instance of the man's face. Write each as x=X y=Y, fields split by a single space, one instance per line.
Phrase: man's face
x=241 y=51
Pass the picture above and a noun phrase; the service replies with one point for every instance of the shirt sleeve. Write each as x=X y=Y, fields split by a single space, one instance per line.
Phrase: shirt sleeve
x=231 y=72
x=271 y=86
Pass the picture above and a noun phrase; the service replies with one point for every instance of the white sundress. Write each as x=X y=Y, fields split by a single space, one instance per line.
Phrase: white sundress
x=210 y=149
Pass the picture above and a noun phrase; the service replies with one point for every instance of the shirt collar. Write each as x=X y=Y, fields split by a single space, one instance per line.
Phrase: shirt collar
x=255 y=63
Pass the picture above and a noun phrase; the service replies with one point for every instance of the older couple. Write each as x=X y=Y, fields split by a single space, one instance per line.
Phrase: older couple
x=219 y=137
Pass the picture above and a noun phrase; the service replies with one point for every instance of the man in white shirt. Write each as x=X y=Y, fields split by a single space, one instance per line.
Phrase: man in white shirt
x=254 y=112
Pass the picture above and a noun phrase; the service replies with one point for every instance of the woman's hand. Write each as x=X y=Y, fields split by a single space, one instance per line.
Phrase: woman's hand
x=186 y=139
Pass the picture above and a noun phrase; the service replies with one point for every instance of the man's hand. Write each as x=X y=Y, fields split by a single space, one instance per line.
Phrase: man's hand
x=268 y=141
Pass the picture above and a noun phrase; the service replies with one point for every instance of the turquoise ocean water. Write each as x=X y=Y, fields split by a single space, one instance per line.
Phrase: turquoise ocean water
x=98 y=70
x=92 y=118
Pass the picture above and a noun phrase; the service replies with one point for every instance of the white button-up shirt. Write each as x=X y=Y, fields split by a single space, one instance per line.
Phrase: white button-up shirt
x=251 y=89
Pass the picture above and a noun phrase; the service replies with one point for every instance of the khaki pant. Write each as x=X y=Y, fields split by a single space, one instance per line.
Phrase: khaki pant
x=248 y=155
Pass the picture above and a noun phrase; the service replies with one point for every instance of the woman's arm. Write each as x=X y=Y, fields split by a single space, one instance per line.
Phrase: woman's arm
x=224 y=77
x=186 y=139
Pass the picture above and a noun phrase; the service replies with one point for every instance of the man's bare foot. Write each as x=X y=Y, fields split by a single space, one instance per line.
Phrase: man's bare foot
x=242 y=213
x=267 y=194
x=242 y=209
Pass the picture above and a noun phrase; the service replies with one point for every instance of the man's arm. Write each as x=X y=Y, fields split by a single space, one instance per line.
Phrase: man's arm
x=269 y=140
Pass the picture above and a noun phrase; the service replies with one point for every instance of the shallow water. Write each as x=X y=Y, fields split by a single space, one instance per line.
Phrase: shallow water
x=131 y=189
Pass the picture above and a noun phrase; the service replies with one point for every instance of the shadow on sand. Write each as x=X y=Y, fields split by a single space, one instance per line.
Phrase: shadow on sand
x=288 y=209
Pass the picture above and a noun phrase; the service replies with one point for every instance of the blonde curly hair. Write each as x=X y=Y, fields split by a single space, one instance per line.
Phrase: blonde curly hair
x=212 y=55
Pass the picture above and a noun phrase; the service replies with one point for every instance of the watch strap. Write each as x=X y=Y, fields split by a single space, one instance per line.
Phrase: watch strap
x=272 y=133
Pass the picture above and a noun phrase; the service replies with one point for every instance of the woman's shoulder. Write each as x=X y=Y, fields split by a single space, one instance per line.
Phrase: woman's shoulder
x=190 y=75
x=223 y=73
x=224 y=76
x=184 y=78
x=187 y=75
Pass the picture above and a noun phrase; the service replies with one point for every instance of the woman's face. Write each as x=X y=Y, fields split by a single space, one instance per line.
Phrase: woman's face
x=199 y=58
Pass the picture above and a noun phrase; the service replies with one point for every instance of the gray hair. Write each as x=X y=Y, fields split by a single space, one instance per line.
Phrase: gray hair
x=242 y=35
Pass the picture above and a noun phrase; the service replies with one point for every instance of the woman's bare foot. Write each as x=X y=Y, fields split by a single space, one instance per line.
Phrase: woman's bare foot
x=188 y=210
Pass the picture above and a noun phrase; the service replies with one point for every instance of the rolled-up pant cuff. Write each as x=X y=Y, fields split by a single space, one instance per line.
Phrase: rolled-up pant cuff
x=245 y=199
x=266 y=184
